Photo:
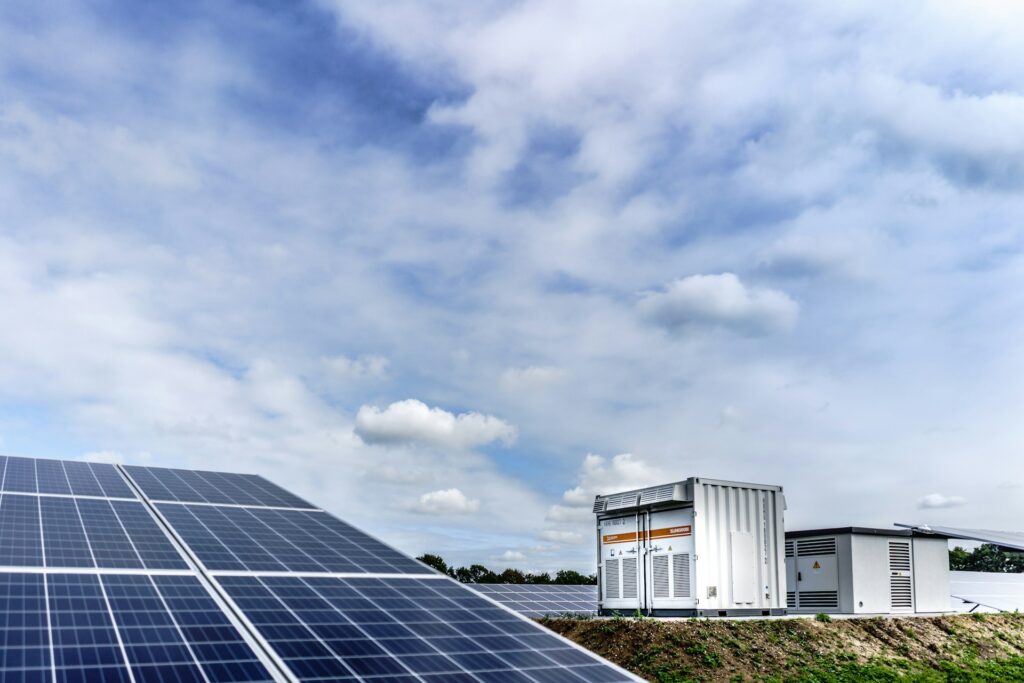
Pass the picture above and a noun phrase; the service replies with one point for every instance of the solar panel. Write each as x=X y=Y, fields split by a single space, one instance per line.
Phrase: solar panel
x=228 y=578
x=188 y=486
x=539 y=600
x=999 y=591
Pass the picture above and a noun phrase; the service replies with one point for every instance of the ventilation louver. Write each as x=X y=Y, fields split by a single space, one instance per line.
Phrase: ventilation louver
x=681 y=575
x=659 y=571
x=816 y=546
x=901 y=590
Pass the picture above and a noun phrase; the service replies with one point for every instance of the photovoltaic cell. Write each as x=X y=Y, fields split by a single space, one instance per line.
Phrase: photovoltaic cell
x=215 y=642
x=51 y=477
x=20 y=475
x=111 y=546
x=24 y=635
x=81 y=478
x=64 y=538
x=189 y=486
x=85 y=646
x=20 y=541
x=259 y=539
x=111 y=481
x=393 y=629
x=148 y=539
x=155 y=648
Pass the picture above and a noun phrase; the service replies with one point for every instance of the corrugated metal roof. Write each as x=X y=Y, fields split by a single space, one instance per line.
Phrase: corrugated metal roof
x=1005 y=539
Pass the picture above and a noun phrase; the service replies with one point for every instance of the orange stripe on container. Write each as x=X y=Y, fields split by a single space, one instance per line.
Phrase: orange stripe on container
x=669 y=532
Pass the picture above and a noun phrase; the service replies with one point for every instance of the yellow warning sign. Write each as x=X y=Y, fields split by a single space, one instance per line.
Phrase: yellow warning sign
x=817 y=565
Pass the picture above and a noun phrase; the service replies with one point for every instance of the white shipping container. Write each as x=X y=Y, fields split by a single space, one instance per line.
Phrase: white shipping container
x=699 y=547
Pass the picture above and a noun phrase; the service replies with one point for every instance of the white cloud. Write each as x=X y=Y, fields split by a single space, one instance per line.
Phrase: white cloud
x=938 y=500
x=446 y=502
x=411 y=421
x=561 y=536
x=719 y=300
x=512 y=556
x=532 y=377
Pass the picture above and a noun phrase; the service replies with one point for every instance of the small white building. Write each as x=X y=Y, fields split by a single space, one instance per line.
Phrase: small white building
x=857 y=570
x=699 y=547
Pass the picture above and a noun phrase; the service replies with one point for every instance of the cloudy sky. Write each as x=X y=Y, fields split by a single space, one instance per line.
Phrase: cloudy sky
x=449 y=269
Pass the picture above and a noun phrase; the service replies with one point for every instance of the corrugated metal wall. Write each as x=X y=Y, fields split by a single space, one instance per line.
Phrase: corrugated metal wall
x=721 y=510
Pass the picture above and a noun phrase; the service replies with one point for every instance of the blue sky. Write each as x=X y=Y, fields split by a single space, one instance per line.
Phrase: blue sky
x=451 y=270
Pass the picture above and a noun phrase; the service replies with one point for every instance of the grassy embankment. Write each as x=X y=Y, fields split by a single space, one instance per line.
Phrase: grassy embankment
x=979 y=647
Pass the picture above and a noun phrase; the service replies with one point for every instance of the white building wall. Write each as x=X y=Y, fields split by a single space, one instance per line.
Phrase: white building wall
x=931 y=575
x=869 y=565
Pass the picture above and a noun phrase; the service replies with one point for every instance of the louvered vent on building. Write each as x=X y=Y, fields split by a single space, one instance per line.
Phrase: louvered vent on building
x=816 y=546
x=611 y=579
x=791 y=599
x=821 y=599
x=622 y=500
x=681 y=575
x=659 y=571
x=658 y=494
x=629 y=582
x=901 y=589
x=790 y=549
x=599 y=505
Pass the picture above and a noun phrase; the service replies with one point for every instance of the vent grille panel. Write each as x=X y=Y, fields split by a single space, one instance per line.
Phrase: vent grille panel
x=629 y=584
x=790 y=549
x=622 y=500
x=611 y=579
x=659 y=570
x=821 y=599
x=657 y=494
x=816 y=546
x=791 y=599
x=681 y=575
x=899 y=556
x=901 y=589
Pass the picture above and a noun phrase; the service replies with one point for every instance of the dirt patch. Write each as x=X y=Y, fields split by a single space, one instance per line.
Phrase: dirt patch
x=962 y=647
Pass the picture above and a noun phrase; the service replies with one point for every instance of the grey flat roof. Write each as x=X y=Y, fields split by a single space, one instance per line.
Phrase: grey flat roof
x=857 y=530
x=1013 y=540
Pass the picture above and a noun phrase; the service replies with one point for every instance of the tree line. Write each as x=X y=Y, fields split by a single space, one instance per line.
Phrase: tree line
x=477 y=573
x=985 y=558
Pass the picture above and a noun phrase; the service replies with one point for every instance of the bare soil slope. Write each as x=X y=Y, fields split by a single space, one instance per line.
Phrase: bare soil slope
x=953 y=648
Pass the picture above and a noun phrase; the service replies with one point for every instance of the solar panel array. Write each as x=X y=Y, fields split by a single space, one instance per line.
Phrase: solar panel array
x=143 y=574
x=540 y=600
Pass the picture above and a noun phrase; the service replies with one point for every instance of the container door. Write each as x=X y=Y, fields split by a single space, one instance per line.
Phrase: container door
x=817 y=574
x=670 y=560
x=620 y=563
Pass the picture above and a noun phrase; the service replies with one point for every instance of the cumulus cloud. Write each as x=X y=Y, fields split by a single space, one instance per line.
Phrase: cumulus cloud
x=938 y=500
x=411 y=422
x=570 y=521
x=719 y=300
x=446 y=502
x=512 y=556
